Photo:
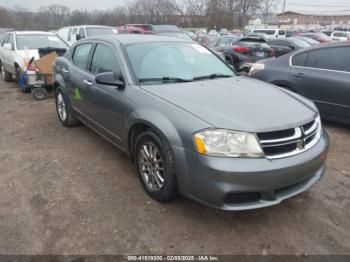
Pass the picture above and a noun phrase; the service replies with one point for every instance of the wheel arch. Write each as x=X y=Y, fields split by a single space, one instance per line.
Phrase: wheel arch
x=155 y=121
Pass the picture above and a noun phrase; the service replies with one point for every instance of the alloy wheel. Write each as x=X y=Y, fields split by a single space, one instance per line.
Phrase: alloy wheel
x=151 y=166
x=61 y=107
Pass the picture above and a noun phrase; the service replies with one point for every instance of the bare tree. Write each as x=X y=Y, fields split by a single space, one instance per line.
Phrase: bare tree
x=266 y=7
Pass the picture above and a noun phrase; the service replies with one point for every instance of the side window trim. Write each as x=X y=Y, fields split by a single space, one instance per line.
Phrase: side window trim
x=313 y=68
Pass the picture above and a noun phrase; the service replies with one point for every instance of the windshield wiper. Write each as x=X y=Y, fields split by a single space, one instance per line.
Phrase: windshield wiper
x=165 y=79
x=212 y=76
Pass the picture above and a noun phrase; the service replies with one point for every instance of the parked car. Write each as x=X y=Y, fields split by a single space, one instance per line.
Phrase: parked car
x=319 y=37
x=287 y=45
x=340 y=36
x=217 y=42
x=243 y=52
x=213 y=33
x=320 y=73
x=309 y=40
x=328 y=32
x=271 y=33
x=128 y=29
x=191 y=125
x=18 y=47
x=75 y=33
x=171 y=31
x=147 y=29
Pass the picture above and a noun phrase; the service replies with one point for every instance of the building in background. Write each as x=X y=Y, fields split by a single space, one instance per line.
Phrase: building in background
x=305 y=18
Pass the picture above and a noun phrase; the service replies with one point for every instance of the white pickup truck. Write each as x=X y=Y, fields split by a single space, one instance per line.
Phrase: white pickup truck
x=18 y=47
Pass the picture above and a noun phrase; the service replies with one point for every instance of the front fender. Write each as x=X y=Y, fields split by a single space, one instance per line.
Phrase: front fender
x=156 y=120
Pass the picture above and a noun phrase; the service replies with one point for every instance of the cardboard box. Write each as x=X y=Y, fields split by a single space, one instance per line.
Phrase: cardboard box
x=44 y=64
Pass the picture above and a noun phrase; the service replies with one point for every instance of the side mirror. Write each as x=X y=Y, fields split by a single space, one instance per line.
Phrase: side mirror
x=292 y=47
x=109 y=79
x=78 y=37
x=8 y=46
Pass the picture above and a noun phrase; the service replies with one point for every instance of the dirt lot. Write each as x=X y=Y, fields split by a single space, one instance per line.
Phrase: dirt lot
x=68 y=191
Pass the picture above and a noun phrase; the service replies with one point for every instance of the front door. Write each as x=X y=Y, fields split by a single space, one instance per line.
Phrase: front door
x=325 y=80
x=107 y=103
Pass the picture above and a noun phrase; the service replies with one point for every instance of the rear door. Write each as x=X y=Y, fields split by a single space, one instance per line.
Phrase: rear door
x=324 y=78
x=75 y=77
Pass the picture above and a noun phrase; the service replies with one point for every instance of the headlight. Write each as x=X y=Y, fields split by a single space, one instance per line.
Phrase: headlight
x=227 y=143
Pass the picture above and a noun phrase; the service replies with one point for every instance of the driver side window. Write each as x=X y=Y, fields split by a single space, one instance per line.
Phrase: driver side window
x=105 y=60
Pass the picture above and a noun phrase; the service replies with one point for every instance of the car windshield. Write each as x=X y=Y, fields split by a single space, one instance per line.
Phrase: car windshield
x=27 y=41
x=175 y=62
x=96 y=31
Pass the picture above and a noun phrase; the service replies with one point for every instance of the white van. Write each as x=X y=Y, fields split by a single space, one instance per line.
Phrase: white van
x=75 y=33
x=271 y=33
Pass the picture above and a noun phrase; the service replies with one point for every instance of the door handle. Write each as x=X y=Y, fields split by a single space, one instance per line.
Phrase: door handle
x=87 y=82
x=65 y=70
x=299 y=75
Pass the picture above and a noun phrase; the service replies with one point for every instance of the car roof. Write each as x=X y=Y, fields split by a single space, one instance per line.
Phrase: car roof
x=126 y=39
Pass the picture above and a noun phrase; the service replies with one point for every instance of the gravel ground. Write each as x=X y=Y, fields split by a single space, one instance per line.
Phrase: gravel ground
x=68 y=191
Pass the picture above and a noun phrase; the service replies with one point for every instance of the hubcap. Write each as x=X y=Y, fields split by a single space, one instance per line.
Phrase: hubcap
x=151 y=167
x=61 y=107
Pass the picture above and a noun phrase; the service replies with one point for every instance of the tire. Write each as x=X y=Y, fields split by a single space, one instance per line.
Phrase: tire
x=64 y=111
x=158 y=166
x=6 y=76
x=229 y=60
x=39 y=93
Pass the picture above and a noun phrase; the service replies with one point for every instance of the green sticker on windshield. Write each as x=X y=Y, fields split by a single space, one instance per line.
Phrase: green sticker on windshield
x=78 y=95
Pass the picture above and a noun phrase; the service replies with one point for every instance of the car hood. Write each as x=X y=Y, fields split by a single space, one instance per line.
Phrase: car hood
x=238 y=103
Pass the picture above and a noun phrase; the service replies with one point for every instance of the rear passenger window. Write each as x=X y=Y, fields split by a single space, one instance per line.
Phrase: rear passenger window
x=82 y=33
x=104 y=60
x=81 y=55
x=299 y=59
x=335 y=58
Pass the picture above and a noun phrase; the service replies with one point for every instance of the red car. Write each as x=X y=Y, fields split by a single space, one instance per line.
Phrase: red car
x=319 y=37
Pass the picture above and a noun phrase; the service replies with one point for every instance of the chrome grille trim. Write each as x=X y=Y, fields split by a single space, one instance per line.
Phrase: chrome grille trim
x=300 y=141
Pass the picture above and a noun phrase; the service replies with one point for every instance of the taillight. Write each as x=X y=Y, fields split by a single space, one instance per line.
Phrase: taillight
x=241 y=49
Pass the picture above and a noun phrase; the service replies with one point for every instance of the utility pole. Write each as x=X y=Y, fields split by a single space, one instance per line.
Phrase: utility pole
x=284 y=10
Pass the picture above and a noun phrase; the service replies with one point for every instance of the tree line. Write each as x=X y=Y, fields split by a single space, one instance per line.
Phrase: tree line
x=184 y=13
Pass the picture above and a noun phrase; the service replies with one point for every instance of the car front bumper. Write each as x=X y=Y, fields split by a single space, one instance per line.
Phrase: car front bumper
x=243 y=184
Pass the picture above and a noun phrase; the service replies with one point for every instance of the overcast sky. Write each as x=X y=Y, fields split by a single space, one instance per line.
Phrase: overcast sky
x=299 y=5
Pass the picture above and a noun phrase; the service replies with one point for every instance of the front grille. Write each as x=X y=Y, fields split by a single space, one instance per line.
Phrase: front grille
x=276 y=134
x=284 y=143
